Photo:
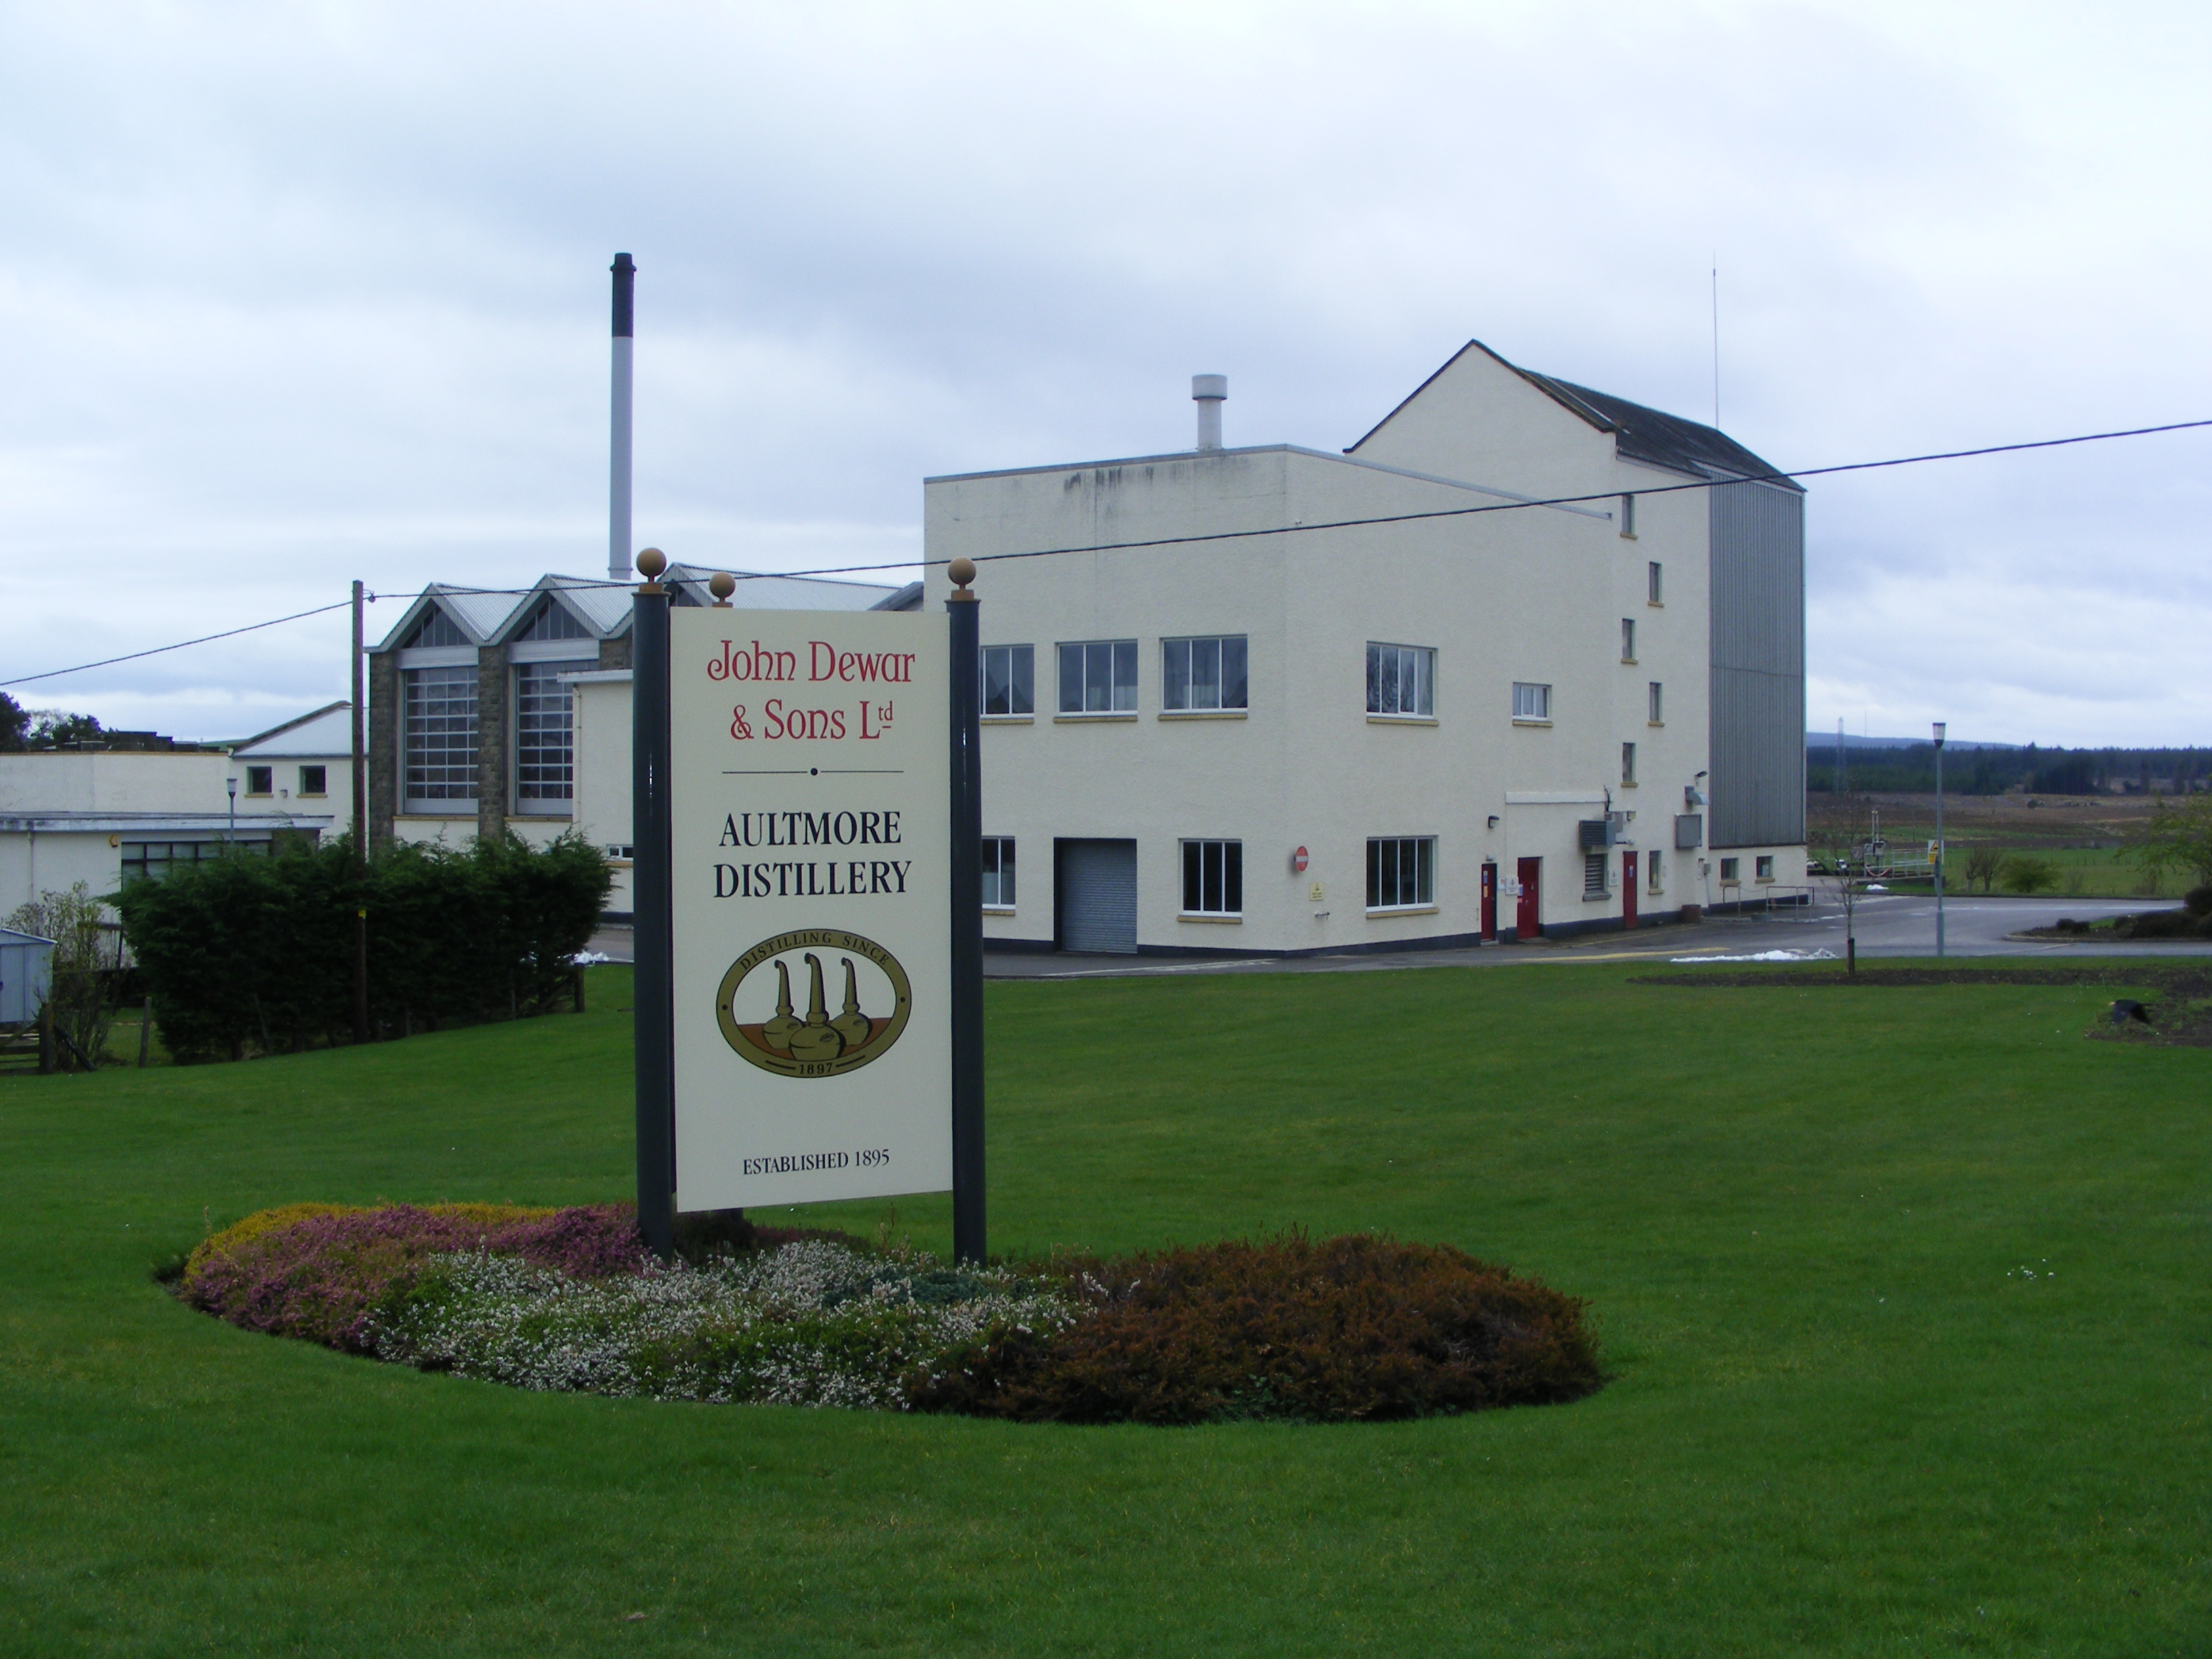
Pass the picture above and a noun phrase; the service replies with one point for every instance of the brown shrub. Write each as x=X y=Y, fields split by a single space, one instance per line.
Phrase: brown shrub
x=1353 y=1328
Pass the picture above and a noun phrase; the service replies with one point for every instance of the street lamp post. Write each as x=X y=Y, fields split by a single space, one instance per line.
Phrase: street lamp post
x=230 y=831
x=1940 y=848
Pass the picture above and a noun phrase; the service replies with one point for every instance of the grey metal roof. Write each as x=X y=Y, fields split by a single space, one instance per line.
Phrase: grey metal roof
x=1640 y=434
x=479 y=615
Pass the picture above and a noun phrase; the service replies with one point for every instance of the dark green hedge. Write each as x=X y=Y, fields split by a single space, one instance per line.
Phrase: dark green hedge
x=252 y=953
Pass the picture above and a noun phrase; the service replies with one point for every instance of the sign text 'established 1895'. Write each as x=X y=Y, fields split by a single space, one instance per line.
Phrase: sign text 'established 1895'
x=810 y=793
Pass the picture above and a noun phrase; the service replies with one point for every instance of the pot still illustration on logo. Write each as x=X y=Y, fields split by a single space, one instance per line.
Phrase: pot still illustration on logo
x=822 y=1044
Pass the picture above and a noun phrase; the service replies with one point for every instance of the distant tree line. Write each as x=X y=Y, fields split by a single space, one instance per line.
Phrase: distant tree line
x=2057 y=771
x=23 y=728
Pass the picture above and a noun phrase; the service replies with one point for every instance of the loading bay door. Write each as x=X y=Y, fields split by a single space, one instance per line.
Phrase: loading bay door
x=1095 y=897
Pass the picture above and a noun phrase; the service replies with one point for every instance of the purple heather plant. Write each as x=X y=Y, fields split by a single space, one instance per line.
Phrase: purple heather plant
x=322 y=1277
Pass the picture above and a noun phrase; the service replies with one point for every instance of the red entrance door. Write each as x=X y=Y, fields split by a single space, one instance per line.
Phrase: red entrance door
x=1628 y=890
x=1489 y=900
x=1528 y=914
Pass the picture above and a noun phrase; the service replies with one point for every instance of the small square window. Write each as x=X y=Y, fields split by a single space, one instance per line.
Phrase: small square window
x=1401 y=679
x=1531 y=702
x=1763 y=867
x=1729 y=869
x=260 y=779
x=315 y=780
x=1098 y=677
x=998 y=872
x=1628 y=639
x=1009 y=679
x=1213 y=878
x=1654 y=594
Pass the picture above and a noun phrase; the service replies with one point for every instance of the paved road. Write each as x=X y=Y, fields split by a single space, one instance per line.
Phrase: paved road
x=1886 y=925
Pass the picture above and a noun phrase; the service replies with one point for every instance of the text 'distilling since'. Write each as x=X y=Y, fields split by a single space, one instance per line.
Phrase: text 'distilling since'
x=834 y=879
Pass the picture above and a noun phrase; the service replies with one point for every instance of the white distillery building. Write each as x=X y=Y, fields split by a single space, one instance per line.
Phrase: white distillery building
x=1277 y=700
x=105 y=815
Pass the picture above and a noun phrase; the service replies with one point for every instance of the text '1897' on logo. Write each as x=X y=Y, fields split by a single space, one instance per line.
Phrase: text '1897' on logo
x=755 y=1009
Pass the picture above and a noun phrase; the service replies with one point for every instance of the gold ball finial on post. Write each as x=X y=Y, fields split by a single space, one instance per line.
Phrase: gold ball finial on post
x=651 y=562
x=962 y=572
x=721 y=585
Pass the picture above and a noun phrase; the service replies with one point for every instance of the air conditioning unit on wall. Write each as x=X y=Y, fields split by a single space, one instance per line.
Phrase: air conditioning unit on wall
x=1598 y=834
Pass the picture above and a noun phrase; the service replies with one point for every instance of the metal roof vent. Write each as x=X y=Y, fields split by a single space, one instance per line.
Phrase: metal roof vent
x=1209 y=392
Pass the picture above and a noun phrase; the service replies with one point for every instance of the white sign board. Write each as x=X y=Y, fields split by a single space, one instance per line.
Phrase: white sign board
x=810 y=803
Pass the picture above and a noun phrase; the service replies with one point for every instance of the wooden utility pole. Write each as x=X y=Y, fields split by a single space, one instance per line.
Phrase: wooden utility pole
x=360 y=841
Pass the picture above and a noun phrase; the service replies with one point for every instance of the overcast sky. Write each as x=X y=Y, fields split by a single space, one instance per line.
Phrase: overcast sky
x=312 y=292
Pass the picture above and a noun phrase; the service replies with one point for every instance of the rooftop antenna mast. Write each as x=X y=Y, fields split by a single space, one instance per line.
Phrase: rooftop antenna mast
x=1716 y=342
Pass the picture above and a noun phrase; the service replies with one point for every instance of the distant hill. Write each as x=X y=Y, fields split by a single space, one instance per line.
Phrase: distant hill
x=1828 y=740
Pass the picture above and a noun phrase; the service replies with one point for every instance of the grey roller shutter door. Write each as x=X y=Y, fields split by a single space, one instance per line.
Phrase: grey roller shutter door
x=1099 y=897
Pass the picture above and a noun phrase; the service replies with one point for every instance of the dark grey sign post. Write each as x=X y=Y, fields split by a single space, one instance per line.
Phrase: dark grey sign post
x=651 y=897
x=967 y=885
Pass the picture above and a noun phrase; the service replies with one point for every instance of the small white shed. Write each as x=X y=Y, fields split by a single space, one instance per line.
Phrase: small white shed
x=27 y=971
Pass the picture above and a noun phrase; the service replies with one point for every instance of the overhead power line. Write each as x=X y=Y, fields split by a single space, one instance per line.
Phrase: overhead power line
x=204 y=639
x=1514 y=506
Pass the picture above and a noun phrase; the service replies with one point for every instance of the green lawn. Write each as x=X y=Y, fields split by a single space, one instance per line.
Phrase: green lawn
x=1840 y=1421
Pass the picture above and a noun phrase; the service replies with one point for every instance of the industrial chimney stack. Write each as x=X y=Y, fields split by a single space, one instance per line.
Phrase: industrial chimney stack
x=618 y=548
x=1209 y=392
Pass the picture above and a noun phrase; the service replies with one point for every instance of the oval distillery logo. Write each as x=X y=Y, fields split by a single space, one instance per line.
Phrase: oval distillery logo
x=754 y=1004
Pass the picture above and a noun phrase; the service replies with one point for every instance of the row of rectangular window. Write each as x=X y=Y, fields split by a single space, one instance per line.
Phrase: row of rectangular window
x=1207 y=673
x=1401 y=874
x=261 y=780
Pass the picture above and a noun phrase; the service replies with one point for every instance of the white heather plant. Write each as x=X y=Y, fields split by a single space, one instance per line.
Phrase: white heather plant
x=814 y=1323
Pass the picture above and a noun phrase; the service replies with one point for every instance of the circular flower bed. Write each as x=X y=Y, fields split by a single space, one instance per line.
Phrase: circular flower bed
x=1353 y=1328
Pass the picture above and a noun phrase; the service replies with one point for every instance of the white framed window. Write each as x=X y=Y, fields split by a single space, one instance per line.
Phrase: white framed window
x=544 y=737
x=1656 y=714
x=1401 y=679
x=1202 y=673
x=1009 y=679
x=1762 y=867
x=1213 y=878
x=1402 y=872
x=1531 y=702
x=315 y=780
x=260 y=779
x=998 y=872
x=1654 y=592
x=1593 y=875
x=1628 y=639
x=1652 y=879
x=1098 y=677
x=1628 y=763
x=1628 y=518
x=439 y=732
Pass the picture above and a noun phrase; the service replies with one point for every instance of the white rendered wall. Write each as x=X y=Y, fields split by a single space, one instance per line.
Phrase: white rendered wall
x=32 y=863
